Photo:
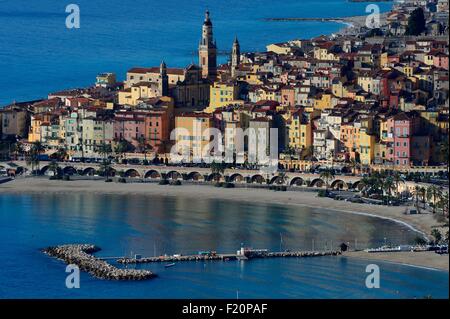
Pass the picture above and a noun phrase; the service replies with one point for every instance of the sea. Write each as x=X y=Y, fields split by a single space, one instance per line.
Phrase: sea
x=39 y=54
x=126 y=225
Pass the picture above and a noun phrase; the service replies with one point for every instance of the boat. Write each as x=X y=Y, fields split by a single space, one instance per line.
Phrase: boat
x=169 y=265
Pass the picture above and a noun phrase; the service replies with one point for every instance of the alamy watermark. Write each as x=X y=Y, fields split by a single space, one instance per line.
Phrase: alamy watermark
x=73 y=279
x=373 y=19
x=73 y=19
x=373 y=279
x=257 y=146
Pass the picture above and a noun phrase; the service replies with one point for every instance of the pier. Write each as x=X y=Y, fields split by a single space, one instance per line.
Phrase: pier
x=81 y=255
x=246 y=255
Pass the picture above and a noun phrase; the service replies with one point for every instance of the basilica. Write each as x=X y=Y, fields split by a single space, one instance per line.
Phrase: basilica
x=189 y=87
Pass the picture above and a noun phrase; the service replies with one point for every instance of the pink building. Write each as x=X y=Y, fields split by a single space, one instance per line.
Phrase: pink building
x=400 y=129
x=440 y=60
x=129 y=126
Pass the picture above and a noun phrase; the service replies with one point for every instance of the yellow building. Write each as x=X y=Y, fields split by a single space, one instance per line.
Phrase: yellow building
x=323 y=101
x=35 y=133
x=365 y=81
x=279 y=48
x=384 y=61
x=339 y=89
x=428 y=59
x=324 y=52
x=408 y=70
x=138 y=93
x=191 y=135
x=366 y=147
x=222 y=94
x=300 y=131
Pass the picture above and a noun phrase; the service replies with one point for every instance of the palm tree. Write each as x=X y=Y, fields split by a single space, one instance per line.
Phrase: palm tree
x=54 y=167
x=443 y=148
x=354 y=165
x=397 y=180
x=104 y=149
x=32 y=159
x=388 y=184
x=17 y=149
x=144 y=147
x=61 y=154
x=327 y=175
x=105 y=167
x=443 y=203
x=416 y=195
x=217 y=169
x=432 y=194
x=423 y=194
x=33 y=156
x=122 y=147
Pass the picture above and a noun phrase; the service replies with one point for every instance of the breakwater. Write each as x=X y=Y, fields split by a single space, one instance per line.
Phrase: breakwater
x=81 y=255
x=225 y=257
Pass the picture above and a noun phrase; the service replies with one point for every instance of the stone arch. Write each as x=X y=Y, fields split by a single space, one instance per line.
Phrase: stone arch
x=277 y=180
x=132 y=173
x=317 y=182
x=69 y=170
x=89 y=171
x=339 y=184
x=297 y=181
x=112 y=172
x=259 y=179
x=44 y=170
x=20 y=170
x=214 y=177
x=174 y=175
x=358 y=185
x=152 y=174
x=195 y=176
x=236 y=178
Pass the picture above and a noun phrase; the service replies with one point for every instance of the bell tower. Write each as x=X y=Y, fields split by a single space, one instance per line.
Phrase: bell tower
x=235 y=57
x=163 y=80
x=207 y=51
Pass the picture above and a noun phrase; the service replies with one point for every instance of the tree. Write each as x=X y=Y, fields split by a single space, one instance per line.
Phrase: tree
x=432 y=194
x=354 y=165
x=416 y=195
x=397 y=180
x=388 y=185
x=437 y=235
x=33 y=155
x=17 y=149
x=104 y=149
x=443 y=149
x=122 y=147
x=443 y=203
x=106 y=168
x=54 y=167
x=420 y=241
x=144 y=147
x=416 y=22
x=423 y=194
x=327 y=175
x=217 y=168
x=61 y=154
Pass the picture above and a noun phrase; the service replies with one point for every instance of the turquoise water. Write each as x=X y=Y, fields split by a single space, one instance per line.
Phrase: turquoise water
x=122 y=225
x=38 y=54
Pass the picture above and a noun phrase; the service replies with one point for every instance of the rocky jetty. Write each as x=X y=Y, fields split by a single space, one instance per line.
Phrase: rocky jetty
x=81 y=255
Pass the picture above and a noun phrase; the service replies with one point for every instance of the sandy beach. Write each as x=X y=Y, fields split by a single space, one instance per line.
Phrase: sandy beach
x=421 y=223
x=426 y=259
